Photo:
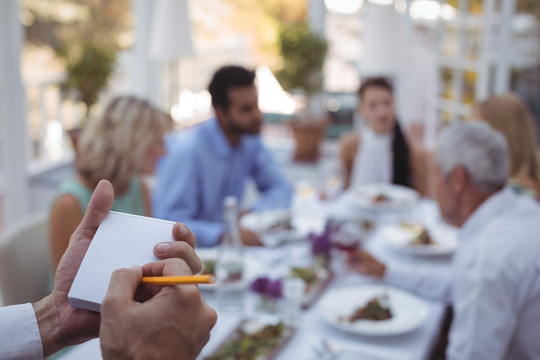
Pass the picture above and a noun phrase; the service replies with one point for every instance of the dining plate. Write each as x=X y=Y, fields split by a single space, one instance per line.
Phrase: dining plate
x=276 y=227
x=409 y=312
x=400 y=237
x=254 y=338
x=252 y=267
x=382 y=197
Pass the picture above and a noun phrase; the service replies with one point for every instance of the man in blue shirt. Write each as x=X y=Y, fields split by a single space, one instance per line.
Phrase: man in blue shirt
x=205 y=164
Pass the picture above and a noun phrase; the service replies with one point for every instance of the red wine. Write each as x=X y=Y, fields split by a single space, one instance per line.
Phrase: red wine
x=349 y=246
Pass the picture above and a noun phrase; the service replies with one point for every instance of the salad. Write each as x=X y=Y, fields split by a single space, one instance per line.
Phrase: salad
x=246 y=344
x=376 y=309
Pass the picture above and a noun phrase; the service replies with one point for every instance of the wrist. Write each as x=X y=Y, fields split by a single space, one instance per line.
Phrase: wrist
x=382 y=272
x=48 y=319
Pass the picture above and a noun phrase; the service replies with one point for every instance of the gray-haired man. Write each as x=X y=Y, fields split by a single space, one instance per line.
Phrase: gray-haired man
x=494 y=286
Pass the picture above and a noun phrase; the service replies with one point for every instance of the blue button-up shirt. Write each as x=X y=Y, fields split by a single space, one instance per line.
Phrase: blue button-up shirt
x=201 y=168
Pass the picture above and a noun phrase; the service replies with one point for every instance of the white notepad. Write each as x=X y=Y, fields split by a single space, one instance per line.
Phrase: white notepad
x=121 y=241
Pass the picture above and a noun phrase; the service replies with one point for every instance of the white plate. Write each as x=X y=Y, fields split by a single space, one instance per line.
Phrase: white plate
x=252 y=267
x=399 y=238
x=262 y=224
x=401 y=198
x=207 y=254
x=409 y=311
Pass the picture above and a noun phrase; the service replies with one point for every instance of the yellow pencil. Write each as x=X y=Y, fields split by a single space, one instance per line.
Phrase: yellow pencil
x=177 y=280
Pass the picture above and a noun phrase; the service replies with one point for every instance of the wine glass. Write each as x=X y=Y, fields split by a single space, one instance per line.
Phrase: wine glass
x=347 y=237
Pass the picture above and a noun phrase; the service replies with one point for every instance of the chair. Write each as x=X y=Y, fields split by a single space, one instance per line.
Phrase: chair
x=26 y=270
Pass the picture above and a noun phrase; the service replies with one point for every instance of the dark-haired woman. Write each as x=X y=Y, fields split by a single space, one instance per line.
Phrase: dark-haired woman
x=380 y=153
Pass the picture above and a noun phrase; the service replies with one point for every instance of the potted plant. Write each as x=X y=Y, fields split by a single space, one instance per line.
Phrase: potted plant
x=303 y=53
x=88 y=70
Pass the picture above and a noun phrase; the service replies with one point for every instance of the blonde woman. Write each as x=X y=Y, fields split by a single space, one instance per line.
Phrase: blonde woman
x=509 y=115
x=122 y=144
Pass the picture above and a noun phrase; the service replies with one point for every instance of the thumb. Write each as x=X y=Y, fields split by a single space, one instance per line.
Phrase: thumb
x=123 y=284
x=99 y=206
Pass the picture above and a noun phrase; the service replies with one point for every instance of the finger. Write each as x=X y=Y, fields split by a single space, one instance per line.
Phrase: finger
x=99 y=206
x=181 y=232
x=168 y=267
x=354 y=256
x=212 y=316
x=123 y=284
x=180 y=250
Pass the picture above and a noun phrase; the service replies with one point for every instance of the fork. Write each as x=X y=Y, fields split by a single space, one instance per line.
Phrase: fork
x=326 y=350
x=329 y=350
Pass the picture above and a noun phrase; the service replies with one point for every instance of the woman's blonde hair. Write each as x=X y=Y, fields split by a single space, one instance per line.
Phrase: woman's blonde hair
x=509 y=115
x=114 y=145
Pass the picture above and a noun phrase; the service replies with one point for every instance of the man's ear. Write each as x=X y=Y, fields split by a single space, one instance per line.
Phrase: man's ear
x=458 y=179
x=220 y=112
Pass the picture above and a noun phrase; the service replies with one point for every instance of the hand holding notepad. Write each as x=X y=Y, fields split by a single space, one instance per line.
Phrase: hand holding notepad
x=62 y=325
x=121 y=241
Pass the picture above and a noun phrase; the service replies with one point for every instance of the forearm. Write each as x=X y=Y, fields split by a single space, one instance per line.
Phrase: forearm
x=276 y=197
x=432 y=284
x=207 y=232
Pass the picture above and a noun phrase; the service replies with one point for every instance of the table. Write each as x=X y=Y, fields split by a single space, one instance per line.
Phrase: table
x=415 y=345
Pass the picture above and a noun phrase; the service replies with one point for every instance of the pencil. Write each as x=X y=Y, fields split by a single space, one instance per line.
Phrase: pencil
x=177 y=280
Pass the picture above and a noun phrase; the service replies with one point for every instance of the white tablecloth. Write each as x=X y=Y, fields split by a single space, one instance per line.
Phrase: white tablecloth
x=414 y=345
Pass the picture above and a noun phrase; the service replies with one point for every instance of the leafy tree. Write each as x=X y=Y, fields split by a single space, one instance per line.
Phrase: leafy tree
x=303 y=54
x=85 y=36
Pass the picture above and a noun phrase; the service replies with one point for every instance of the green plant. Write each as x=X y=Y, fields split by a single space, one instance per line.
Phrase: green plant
x=89 y=69
x=303 y=53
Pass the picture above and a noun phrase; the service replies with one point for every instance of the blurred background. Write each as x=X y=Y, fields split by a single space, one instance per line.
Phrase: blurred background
x=62 y=60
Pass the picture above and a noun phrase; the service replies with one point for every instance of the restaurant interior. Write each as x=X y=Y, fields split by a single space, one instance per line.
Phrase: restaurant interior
x=362 y=177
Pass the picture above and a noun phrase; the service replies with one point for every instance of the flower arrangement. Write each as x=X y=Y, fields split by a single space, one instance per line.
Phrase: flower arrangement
x=272 y=289
x=270 y=292
x=321 y=244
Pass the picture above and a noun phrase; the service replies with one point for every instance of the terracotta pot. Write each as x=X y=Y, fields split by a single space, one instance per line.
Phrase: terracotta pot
x=308 y=135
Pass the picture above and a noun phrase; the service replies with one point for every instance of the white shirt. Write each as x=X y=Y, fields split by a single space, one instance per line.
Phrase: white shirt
x=373 y=160
x=19 y=333
x=495 y=287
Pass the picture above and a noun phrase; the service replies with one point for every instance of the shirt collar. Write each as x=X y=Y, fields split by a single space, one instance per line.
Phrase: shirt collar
x=491 y=207
x=218 y=139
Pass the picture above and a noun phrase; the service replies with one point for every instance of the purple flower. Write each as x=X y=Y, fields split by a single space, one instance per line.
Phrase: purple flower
x=274 y=289
x=266 y=287
x=320 y=244
x=260 y=284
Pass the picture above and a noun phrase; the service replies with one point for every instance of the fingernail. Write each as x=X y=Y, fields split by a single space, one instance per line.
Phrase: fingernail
x=182 y=229
x=162 y=248
x=135 y=267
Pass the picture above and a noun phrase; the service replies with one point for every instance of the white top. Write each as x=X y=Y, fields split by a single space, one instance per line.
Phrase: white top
x=19 y=333
x=495 y=289
x=373 y=160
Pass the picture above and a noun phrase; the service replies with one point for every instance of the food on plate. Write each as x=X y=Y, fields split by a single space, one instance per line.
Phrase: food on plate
x=381 y=198
x=367 y=225
x=307 y=274
x=316 y=279
x=420 y=234
x=229 y=271
x=209 y=267
x=247 y=345
x=283 y=224
x=376 y=309
x=422 y=238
